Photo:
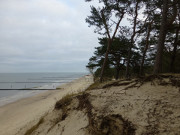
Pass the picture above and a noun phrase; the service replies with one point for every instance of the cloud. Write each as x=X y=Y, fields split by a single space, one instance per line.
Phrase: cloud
x=44 y=35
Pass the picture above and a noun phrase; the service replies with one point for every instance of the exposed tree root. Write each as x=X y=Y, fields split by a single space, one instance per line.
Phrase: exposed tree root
x=173 y=80
x=118 y=83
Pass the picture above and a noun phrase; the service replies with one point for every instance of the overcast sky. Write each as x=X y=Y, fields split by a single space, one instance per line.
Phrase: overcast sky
x=45 y=36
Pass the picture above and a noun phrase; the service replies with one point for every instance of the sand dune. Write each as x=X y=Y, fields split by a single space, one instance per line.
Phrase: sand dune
x=120 y=108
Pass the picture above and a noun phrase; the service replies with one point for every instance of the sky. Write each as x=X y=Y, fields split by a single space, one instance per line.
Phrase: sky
x=45 y=36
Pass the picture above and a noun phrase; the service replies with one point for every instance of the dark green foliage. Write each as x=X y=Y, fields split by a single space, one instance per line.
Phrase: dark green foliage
x=116 y=57
x=153 y=39
x=109 y=73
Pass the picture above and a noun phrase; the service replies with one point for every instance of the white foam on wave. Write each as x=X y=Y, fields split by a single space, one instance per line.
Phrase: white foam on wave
x=28 y=93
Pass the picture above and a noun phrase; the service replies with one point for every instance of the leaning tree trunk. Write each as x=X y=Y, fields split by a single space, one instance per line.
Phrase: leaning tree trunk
x=165 y=24
x=162 y=36
x=117 y=68
x=129 y=56
x=145 y=50
x=109 y=43
x=174 y=50
x=105 y=60
x=132 y=41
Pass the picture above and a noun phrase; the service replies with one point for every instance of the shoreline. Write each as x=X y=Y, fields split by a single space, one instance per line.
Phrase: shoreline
x=28 y=92
x=26 y=111
x=20 y=95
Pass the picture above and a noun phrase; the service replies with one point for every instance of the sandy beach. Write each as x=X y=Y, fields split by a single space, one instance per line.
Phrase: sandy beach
x=19 y=115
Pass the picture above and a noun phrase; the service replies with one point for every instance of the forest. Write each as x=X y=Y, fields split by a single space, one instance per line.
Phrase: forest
x=149 y=43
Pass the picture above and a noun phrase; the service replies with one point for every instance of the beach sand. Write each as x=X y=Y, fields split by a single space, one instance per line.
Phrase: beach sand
x=17 y=116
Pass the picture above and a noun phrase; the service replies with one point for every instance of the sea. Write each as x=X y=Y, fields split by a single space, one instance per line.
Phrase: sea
x=14 y=86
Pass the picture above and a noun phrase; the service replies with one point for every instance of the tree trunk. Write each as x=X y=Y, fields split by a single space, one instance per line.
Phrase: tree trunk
x=109 y=43
x=132 y=40
x=117 y=68
x=117 y=73
x=162 y=36
x=174 y=50
x=105 y=60
x=145 y=50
